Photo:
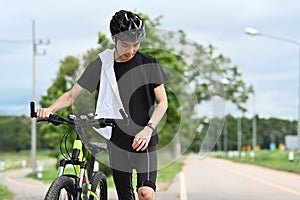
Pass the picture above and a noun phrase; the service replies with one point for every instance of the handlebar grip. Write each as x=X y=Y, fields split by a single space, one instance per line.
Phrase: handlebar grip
x=32 y=110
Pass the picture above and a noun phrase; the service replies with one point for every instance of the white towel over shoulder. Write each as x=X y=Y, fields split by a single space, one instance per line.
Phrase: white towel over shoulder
x=109 y=102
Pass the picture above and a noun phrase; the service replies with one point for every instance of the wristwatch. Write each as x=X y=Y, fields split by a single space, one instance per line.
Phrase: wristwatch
x=150 y=125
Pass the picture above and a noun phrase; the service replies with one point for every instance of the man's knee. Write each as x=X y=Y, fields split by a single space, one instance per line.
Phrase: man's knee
x=146 y=193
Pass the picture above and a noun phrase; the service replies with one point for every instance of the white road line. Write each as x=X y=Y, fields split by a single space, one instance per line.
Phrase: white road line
x=183 y=195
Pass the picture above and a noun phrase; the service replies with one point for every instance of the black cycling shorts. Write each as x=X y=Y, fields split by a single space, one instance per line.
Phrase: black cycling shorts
x=123 y=162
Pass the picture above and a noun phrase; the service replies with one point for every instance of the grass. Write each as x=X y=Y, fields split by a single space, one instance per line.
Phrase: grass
x=49 y=174
x=271 y=159
x=13 y=160
x=167 y=174
x=5 y=193
x=23 y=155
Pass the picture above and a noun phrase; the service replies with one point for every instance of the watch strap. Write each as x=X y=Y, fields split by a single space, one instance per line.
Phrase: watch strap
x=150 y=125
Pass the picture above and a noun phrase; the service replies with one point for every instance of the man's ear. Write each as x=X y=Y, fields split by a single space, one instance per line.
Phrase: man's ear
x=113 y=38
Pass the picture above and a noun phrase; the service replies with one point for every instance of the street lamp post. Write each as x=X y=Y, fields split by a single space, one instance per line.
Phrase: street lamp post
x=254 y=32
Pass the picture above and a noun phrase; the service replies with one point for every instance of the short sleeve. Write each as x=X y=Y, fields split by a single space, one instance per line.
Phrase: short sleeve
x=158 y=76
x=90 y=78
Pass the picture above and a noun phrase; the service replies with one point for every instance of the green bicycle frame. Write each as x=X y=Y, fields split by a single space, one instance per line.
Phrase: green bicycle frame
x=80 y=169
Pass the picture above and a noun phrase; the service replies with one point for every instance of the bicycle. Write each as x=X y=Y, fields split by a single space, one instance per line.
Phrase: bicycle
x=85 y=183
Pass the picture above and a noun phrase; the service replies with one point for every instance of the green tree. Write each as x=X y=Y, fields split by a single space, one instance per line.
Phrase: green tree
x=15 y=133
x=268 y=130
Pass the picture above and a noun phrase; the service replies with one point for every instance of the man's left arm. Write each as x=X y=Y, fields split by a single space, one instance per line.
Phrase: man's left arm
x=142 y=139
x=162 y=105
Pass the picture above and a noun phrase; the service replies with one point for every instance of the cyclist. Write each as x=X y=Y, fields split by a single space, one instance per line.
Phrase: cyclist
x=139 y=91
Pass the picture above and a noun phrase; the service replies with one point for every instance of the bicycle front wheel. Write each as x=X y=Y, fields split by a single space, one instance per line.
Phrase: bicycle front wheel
x=62 y=188
x=99 y=186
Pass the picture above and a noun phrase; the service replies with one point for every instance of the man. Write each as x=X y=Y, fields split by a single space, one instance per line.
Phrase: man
x=134 y=82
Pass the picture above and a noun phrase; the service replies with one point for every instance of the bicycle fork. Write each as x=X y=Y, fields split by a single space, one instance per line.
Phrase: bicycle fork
x=80 y=165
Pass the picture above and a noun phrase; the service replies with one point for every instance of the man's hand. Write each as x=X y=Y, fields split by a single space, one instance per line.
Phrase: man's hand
x=142 y=139
x=44 y=113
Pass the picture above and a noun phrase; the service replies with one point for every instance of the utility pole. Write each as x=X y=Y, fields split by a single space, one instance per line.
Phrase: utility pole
x=33 y=98
x=33 y=120
x=225 y=138
x=254 y=122
x=239 y=134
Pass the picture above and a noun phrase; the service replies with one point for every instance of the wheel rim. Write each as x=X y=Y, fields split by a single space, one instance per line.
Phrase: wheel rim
x=64 y=194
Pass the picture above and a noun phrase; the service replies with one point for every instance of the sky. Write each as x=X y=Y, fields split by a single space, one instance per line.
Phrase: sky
x=270 y=65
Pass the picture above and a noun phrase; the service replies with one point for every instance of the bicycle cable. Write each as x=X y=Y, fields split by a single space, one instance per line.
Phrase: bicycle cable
x=64 y=140
x=66 y=155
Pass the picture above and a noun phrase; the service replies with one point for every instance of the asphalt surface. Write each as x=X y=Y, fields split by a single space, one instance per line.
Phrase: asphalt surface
x=218 y=179
x=206 y=179
x=24 y=188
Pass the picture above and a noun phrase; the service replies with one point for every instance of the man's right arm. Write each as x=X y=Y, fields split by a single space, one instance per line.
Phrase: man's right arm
x=64 y=101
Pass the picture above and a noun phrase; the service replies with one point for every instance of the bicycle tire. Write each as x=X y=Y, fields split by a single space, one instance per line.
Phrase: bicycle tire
x=99 y=186
x=62 y=188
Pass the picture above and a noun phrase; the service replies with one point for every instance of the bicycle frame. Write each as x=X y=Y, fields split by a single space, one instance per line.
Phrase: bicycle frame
x=82 y=177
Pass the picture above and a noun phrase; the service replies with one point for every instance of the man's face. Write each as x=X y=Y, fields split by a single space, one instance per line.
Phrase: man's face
x=126 y=50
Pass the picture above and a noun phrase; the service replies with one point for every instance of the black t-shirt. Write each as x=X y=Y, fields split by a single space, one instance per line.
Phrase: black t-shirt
x=137 y=79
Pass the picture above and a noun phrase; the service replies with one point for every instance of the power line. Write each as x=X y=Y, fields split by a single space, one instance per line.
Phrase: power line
x=15 y=41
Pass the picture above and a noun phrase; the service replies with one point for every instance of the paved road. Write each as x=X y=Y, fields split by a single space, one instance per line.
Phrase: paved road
x=24 y=188
x=218 y=179
x=207 y=179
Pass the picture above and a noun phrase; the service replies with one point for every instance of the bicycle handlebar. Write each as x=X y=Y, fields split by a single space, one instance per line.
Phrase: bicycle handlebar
x=89 y=121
